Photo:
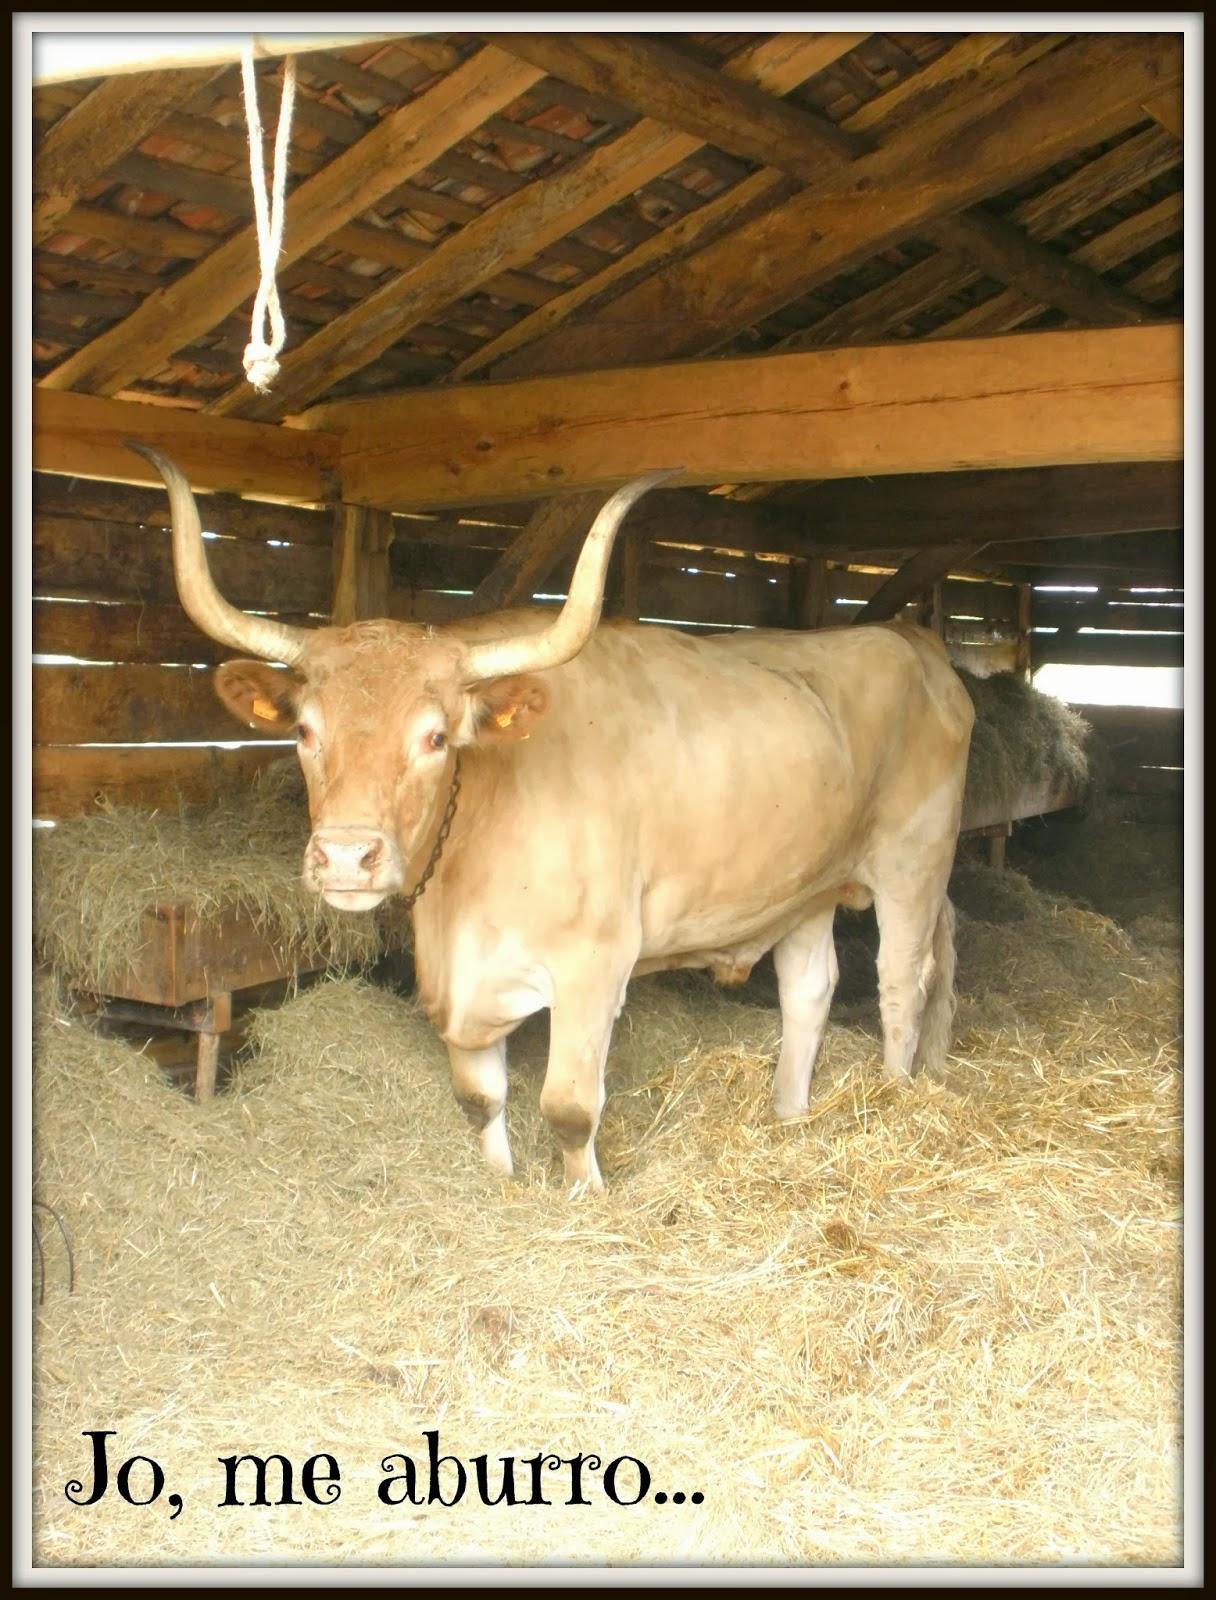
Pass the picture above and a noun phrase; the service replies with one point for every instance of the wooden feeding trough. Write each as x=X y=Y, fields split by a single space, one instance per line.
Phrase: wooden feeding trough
x=187 y=971
x=994 y=823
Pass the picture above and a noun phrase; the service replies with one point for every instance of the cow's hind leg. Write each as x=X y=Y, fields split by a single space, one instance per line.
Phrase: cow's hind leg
x=806 y=979
x=914 y=968
x=572 y=1098
x=479 y=1078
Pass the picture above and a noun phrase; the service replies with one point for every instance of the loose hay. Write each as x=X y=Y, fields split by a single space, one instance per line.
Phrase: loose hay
x=939 y=1323
x=96 y=875
x=1021 y=739
x=1119 y=864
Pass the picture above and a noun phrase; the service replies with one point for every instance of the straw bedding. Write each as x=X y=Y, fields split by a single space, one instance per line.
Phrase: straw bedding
x=936 y=1323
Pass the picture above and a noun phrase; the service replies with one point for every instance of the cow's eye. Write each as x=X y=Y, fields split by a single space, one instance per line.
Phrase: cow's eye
x=437 y=740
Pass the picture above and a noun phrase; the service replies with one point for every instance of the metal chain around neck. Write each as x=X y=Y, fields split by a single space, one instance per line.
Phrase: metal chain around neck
x=445 y=827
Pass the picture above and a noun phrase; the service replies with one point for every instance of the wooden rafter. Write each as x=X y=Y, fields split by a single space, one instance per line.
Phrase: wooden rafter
x=954 y=73
x=1021 y=400
x=529 y=559
x=1078 y=95
x=403 y=143
x=1166 y=110
x=871 y=315
x=1004 y=252
x=1009 y=309
x=93 y=135
x=510 y=234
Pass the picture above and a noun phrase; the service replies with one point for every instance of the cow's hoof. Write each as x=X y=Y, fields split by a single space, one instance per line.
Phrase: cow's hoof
x=788 y=1113
x=495 y=1151
x=582 y=1187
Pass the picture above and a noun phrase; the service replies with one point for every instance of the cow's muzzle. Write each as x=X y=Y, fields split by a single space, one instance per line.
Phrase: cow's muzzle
x=352 y=868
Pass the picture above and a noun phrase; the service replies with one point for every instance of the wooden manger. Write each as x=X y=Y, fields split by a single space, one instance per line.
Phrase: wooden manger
x=188 y=970
x=994 y=822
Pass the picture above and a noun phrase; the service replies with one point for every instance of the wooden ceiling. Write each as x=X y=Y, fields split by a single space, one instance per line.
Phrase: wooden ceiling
x=464 y=209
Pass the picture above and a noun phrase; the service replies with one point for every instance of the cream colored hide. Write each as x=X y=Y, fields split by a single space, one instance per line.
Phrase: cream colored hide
x=656 y=801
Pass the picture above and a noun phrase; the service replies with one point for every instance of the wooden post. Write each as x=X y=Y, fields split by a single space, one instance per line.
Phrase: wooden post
x=362 y=539
x=629 y=591
x=809 y=593
x=1021 y=663
x=937 y=610
x=996 y=844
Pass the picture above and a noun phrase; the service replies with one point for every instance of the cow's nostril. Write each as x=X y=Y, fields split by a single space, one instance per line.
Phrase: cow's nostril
x=370 y=857
x=318 y=857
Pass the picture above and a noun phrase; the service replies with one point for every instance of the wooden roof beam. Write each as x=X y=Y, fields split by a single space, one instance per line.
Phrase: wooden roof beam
x=108 y=123
x=1166 y=110
x=1017 y=401
x=877 y=312
x=1057 y=502
x=86 y=435
x=403 y=143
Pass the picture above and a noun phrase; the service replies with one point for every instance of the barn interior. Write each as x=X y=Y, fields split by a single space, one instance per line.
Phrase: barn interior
x=906 y=311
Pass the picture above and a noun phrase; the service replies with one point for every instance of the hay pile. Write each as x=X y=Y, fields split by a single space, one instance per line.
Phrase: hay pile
x=931 y=1324
x=1021 y=739
x=95 y=876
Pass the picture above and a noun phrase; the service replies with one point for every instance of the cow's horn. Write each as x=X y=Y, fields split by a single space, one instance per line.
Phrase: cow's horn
x=565 y=637
x=203 y=603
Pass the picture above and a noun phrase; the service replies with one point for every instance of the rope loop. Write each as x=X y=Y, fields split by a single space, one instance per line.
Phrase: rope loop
x=262 y=352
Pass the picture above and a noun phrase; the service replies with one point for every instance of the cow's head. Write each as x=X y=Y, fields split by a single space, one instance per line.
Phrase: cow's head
x=380 y=710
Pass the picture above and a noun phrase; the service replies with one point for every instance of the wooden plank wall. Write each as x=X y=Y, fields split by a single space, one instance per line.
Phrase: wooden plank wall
x=434 y=582
x=131 y=714
x=1109 y=624
x=1145 y=745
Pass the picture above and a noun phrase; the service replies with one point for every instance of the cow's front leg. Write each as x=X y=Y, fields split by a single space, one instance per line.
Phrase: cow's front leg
x=479 y=1078
x=572 y=1098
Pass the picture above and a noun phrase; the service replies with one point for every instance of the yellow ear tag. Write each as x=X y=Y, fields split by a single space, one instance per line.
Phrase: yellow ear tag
x=504 y=719
x=265 y=709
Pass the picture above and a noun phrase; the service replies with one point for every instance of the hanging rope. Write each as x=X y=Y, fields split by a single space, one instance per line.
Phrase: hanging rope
x=262 y=355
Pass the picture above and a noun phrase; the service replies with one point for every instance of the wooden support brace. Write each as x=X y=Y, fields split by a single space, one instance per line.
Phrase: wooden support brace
x=554 y=530
x=918 y=574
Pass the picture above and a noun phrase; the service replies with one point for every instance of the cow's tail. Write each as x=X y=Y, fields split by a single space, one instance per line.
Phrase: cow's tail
x=937 y=1024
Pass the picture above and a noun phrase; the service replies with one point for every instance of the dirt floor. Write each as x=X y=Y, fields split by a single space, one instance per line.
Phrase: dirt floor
x=931 y=1324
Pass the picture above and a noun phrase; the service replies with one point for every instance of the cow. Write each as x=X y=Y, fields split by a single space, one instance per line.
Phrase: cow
x=567 y=804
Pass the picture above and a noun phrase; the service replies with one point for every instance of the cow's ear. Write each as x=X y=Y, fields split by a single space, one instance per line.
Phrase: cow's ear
x=510 y=708
x=261 y=697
